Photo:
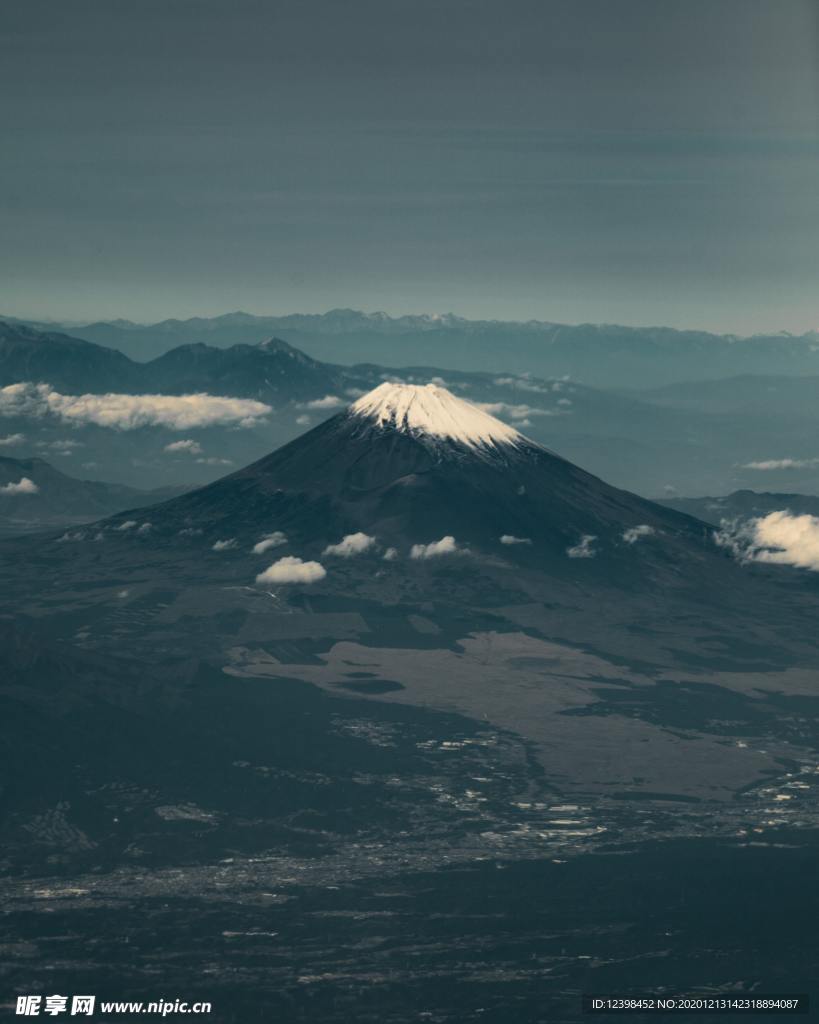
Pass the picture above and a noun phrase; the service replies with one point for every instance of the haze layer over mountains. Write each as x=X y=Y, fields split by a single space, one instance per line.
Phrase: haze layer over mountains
x=600 y=355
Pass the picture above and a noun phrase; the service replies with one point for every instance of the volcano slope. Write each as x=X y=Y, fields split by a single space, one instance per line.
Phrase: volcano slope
x=463 y=568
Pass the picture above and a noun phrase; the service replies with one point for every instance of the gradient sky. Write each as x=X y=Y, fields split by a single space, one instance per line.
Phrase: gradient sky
x=632 y=161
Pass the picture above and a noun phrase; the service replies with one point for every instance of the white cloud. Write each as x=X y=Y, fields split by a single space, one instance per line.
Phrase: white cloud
x=772 y=464
x=635 y=533
x=328 y=402
x=444 y=546
x=390 y=554
x=129 y=524
x=510 y=539
x=129 y=412
x=145 y=528
x=12 y=439
x=225 y=545
x=303 y=420
x=584 y=549
x=23 y=486
x=516 y=413
x=272 y=540
x=522 y=384
x=780 y=537
x=352 y=544
x=190 y=531
x=188 y=446
x=292 y=570
x=215 y=461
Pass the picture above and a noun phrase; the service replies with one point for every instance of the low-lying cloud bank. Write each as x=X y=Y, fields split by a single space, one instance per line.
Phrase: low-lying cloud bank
x=129 y=412
x=780 y=537
x=292 y=570
x=23 y=486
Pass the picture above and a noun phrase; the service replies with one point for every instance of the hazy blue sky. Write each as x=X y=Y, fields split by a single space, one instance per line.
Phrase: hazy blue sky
x=639 y=161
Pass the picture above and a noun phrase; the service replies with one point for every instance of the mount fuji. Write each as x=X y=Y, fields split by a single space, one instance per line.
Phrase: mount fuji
x=412 y=464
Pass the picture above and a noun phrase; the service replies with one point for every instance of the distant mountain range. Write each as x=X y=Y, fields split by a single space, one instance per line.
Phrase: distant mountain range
x=271 y=369
x=36 y=496
x=751 y=394
x=603 y=355
x=744 y=505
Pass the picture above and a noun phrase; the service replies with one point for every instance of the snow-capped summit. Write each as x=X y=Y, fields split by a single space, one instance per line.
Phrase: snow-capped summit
x=431 y=411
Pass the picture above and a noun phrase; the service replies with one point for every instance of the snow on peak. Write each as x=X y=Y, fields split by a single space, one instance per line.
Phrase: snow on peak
x=435 y=412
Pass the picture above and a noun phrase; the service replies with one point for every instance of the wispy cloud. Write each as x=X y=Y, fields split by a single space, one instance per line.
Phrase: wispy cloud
x=523 y=383
x=225 y=545
x=583 y=549
x=292 y=570
x=517 y=413
x=22 y=486
x=12 y=439
x=328 y=402
x=63 y=445
x=509 y=539
x=129 y=412
x=188 y=447
x=773 y=464
x=271 y=540
x=352 y=544
x=635 y=533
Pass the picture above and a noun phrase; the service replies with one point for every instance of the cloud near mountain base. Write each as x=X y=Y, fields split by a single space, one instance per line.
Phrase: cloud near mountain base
x=444 y=546
x=779 y=538
x=22 y=486
x=271 y=540
x=352 y=544
x=292 y=570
